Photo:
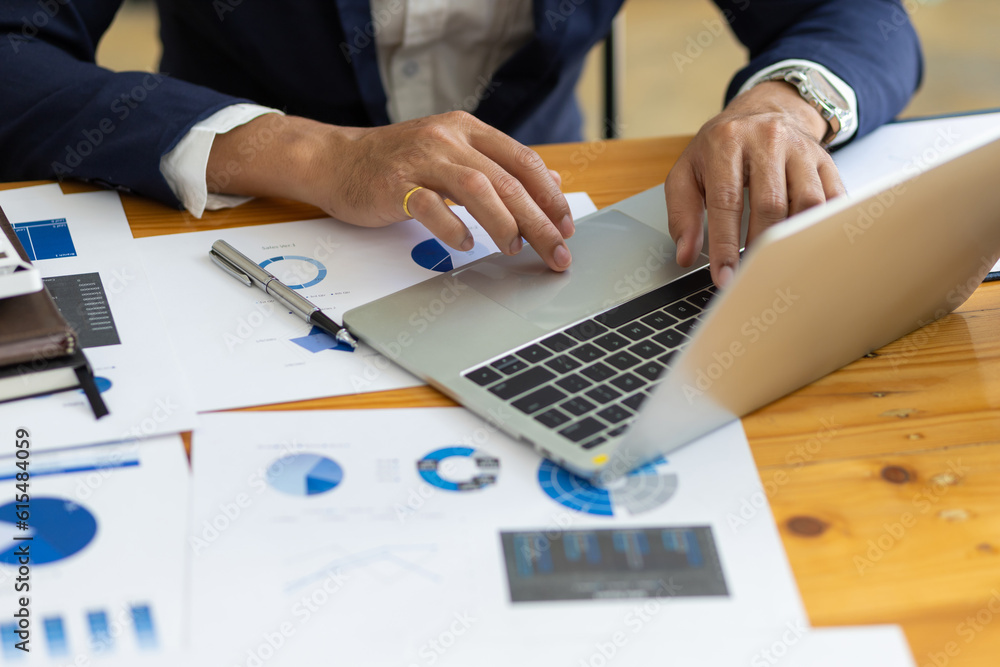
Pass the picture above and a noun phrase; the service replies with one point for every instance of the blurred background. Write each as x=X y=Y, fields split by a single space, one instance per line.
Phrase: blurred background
x=961 y=41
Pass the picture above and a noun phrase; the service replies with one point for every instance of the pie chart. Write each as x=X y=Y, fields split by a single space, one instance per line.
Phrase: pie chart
x=642 y=490
x=304 y=474
x=430 y=254
x=58 y=529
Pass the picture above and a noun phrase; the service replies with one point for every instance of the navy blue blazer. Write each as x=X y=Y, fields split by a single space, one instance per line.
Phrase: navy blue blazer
x=62 y=116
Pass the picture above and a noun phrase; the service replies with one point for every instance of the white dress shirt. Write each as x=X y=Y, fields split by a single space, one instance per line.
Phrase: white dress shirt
x=433 y=56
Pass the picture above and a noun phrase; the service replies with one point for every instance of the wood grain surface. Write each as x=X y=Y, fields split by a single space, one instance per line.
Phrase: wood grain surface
x=883 y=477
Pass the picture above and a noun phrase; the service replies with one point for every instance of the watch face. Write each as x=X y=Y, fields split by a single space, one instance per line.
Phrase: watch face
x=824 y=88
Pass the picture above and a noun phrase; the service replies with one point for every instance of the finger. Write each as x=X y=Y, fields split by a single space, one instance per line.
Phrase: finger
x=530 y=221
x=429 y=209
x=723 y=180
x=832 y=185
x=805 y=187
x=530 y=172
x=473 y=189
x=768 y=195
x=556 y=176
x=685 y=211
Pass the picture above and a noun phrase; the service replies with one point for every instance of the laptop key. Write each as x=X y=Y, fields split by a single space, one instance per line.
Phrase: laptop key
x=611 y=341
x=559 y=343
x=603 y=393
x=581 y=430
x=659 y=320
x=578 y=406
x=599 y=372
x=594 y=443
x=665 y=359
x=563 y=363
x=628 y=382
x=635 y=330
x=509 y=365
x=646 y=349
x=614 y=414
x=483 y=376
x=635 y=400
x=539 y=399
x=588 y=352
x=553 y=418
x=574 y=383
x=533 y=353
x=670 y=338
x=617 y=431
x=702 y=298
x=522 y=382
x=687 y=326
x=586 y=330
x=682 y=309
x=650 y=370
x=623 y=360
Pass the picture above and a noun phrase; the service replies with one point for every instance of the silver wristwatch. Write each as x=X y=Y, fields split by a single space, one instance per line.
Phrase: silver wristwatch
x=817 y=90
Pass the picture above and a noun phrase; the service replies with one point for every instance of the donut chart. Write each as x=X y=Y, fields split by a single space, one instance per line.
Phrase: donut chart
x=296 y=270
x=642 y=490
x=481 y=473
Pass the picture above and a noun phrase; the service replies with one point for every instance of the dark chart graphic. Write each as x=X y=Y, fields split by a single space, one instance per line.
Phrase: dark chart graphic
x=58 y=529
x=642 y=490
x=305 y=474
x=296 y=271
x=612 y=564
x=45 y=239
x=474 y=469
x=82 y=301
x=431 y=254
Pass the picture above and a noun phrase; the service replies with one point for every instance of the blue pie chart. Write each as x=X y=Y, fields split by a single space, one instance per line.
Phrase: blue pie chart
x=430 y=254
x=58 y=529
x=304 y=474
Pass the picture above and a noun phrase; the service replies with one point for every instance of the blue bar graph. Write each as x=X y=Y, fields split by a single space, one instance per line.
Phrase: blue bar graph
x=100 y=634
x=142 y=617
x=8 y=634
x=45 y=239
x=55 y=635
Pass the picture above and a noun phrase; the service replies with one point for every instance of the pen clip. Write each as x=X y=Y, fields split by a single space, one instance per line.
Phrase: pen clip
x=230 y=268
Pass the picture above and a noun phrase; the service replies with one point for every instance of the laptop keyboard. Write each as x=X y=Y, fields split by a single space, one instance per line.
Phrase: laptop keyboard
x=587 y=381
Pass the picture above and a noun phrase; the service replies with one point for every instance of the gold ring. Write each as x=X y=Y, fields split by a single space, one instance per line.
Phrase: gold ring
x=406 y=200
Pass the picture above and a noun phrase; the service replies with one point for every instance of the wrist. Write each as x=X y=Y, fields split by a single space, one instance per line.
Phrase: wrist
x=783 y=97
x=271 y=156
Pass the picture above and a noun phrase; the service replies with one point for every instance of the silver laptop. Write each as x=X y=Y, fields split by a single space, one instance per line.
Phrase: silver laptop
x=626 y=356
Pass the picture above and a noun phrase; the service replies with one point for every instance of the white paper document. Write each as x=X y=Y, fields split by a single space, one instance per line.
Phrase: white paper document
x=239 y=347
x=425 y=536
x=84 y=249
x=105 y=570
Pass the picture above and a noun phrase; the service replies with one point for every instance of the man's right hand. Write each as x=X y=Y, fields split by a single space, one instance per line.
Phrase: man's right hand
x=362 y=175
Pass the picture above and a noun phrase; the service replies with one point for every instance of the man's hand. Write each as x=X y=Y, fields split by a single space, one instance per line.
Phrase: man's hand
x=361 y=176
x=766 y=139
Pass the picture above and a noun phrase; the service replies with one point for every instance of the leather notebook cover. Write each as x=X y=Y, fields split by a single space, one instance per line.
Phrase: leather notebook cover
x=31 y=327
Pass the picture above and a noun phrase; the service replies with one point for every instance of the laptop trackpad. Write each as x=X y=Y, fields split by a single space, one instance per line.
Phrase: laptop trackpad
x=614 y=258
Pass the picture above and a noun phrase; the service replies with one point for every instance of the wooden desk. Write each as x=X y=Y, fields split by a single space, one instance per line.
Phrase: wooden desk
x=884 y=477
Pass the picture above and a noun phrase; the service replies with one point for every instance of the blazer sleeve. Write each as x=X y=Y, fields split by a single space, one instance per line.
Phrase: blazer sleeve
x=870 y=44
x=63 y=116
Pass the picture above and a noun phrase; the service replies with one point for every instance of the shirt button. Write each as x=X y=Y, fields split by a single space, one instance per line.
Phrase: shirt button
x=410 y=68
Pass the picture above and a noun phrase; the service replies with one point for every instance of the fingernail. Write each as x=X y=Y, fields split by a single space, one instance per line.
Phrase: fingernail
x=516 y=246
x=561 y=256
x=566 y=226
x=725 y=275
x=468 y=243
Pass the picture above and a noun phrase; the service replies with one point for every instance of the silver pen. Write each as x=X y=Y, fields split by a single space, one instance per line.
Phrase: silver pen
x=244 y=269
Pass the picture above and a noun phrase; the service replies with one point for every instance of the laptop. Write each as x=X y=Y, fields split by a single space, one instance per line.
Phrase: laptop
x=626 y=356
